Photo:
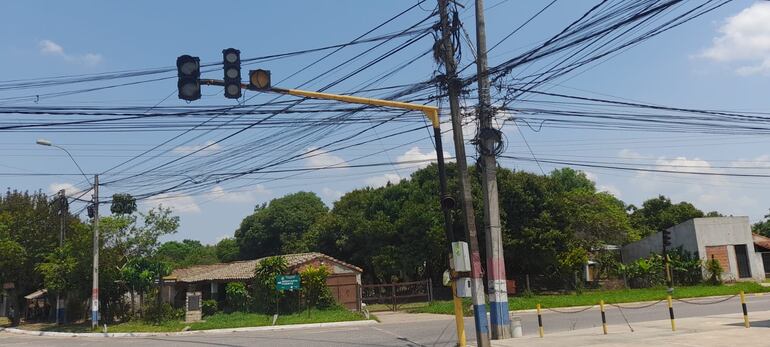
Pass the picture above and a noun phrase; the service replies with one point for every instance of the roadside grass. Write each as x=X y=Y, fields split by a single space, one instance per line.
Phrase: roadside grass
x=217 y=321
x=593 y=297
x=4 y=322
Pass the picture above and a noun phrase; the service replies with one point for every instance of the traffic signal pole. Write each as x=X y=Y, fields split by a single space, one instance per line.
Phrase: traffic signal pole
x=430 y=112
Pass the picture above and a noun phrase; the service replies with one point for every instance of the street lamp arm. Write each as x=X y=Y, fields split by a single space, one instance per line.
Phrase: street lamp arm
x=74 y=161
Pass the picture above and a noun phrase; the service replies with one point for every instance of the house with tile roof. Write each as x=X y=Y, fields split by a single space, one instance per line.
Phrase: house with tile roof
x=344 y=280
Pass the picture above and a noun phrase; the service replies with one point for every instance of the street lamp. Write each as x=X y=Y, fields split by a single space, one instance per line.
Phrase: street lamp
x=95 y=290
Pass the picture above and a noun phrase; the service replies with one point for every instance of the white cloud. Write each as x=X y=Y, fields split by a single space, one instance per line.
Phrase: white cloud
x=415 y=154
x=48 y=47
x=602 y=187
x=728 y=195
x=241 y=196
x=382 y=180
x=180 y=203
x=331 y=194
x=321 y=158
x=210 y=146
x=744 y=39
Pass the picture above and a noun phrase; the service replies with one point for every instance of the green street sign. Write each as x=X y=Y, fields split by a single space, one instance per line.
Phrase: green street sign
x=287 y=282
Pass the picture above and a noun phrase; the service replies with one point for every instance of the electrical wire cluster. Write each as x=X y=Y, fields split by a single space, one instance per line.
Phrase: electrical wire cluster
x=262 y=139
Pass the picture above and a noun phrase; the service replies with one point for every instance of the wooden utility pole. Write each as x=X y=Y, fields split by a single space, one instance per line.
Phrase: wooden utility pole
x=453 y=88
x=488 y=141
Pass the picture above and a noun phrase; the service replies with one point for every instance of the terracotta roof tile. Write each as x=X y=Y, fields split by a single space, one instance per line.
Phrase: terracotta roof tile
x=244 y=270
x=761 y=241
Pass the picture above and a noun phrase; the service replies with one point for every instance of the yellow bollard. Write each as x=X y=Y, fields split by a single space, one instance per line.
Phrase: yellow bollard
x=459 y=323
x=604 y=318
x=745 y=311
x=539 y=320
x=671 y=313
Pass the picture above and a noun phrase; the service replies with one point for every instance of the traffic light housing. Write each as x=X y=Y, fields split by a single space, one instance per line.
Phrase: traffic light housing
x=231 y=60
x=666 y=238
x=259 y=79
x=189 y=72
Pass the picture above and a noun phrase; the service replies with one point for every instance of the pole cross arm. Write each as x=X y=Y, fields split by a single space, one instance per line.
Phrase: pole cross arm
x=431 y=112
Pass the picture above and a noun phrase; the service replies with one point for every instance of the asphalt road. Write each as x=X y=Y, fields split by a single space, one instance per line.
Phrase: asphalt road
x=402 y=330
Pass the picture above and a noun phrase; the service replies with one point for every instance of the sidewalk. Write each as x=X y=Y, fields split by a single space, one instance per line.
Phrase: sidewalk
x=716 y=330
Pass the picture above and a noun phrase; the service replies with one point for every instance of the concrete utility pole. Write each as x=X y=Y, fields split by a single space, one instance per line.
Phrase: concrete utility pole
x=95 y=290
x=488 y=140
x=453 y=86
x=62 y=221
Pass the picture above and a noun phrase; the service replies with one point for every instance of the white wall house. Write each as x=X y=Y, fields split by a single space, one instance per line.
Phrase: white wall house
x=727 y=239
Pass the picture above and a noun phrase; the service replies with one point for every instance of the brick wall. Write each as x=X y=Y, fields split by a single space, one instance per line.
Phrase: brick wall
x=719 y=253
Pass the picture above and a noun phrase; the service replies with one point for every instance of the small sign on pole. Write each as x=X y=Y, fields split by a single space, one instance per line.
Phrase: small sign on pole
x=287 y=282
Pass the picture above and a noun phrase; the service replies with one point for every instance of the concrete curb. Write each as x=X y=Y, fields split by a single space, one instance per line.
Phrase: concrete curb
x=194 y=332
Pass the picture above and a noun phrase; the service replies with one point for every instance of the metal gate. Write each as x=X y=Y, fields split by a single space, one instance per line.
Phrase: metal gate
x=395 y=294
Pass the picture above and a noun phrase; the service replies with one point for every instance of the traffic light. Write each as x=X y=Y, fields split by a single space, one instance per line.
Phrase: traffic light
x=232 y=68
x=189 y=72
x=259 y=79
x=666 y=238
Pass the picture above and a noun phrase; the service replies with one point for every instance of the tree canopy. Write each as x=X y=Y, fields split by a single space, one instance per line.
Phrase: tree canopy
x=279 y=226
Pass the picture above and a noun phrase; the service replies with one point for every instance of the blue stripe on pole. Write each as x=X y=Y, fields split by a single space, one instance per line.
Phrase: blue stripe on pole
x=480 y=315
x=93 y=316
x=499 y=313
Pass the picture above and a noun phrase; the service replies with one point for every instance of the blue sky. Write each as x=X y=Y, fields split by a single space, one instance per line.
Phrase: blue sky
x=718 y=61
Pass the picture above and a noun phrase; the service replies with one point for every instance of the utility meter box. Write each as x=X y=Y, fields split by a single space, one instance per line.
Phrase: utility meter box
x=464 y=287
x=461 y=260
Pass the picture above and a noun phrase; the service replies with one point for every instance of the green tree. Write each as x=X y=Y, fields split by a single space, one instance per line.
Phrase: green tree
x=134 y=239
x=567 y=179
x=140 y=274
x=123 y=203
x=186 y=253
x=279 y=227
x=660 y=213
x=59 y=269
x=265 y=293
x=29 y=230
x=762 y=227
x=227 y=250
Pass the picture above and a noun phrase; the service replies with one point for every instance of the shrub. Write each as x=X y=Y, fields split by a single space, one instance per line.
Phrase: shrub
x=314 y=284
x=644 y=272
x=326 y=300
x=237 y=296
x=685 y=267
x=650 y=271
x=164 y=312
x=714 y=269
x=209 y=307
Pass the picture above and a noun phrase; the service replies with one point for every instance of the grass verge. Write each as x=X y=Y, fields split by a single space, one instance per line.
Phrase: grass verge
x=216 y=321
x=588 y=298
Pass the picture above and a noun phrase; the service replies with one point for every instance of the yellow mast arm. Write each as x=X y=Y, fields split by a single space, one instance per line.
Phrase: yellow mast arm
x=431 y=112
